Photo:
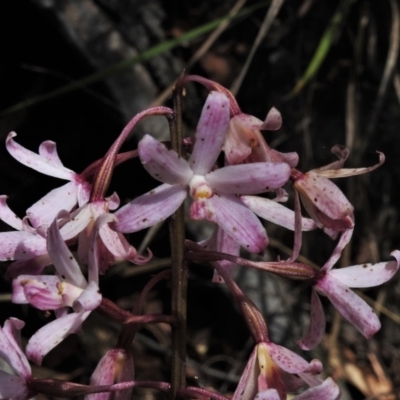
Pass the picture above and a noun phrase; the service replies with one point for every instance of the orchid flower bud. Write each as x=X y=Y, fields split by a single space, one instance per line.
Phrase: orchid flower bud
x=116 y=366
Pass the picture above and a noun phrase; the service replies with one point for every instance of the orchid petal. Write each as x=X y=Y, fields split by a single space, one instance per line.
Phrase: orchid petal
x=40 y=291
x=114 y=367
x=337 y=252
x=10 y=347
x=13 y=387
x=7 y=216
x=89 y=299
x=342 y=153
x=367 y=275
x=248 y=385
x=316 y=328
x=150 y=208
x=20 y=245
x=49 y=336
x=224 y=243
x=79 y=220
x=286 y=360
x=46 y=209
x=345 y=172
x=276 y=213
x=269 y=394
x=83 y=192
x=32 y=266
x=239 y=222
x=163 y=164
x=273 y=120
x=36 y=161
x=350 y=305
x=324 y=195
x=117 y=245
x=113 y=201
x=48 y=151
x=327 y=390
x=210 y=133
x=63 y=260
x=249 y=178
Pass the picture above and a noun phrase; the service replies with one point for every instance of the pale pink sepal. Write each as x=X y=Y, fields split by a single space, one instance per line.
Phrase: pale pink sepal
x=275 y=212
x=321 y=197
x=77 y=221
x=210 y=133
x=150 y=208
x=39 y=162
x=7 y=216
x=48 y=151
x=224 y=243
x=327 y=390
x=32 y=266
x=113 y=201
x=345 y=238
x=240 y=222
x=272 y=122
x=350 y=305
x=367 y=275
x=10 y=347
x=46 y=209
x=49 y=336
x=286 y=359
x=249 y=178
x=247 y=387
x=20 y=245
x=346 y=172
x=163 y=164
x=316 y=327
x=13 y=387
x=63 y=260
x=269 y=394
x=114 y=367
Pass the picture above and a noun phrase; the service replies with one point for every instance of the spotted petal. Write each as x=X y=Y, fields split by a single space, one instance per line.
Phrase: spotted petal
x=316 y=328
x=249 y=178
x=42 y=163
x=163 y=164
x=350 y=305
x=367 y=275
x=239 y=222
x=276 y=212
x=150 y=208
x=210 y=133
x=49 y=336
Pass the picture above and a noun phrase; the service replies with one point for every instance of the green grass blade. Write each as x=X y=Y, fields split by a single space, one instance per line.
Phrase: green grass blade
x=324 y=45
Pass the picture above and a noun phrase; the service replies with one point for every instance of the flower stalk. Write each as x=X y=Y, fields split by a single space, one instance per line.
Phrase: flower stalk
x=179 y=267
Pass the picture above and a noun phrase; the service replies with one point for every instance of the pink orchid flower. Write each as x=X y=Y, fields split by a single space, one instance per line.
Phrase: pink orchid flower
x=76 y=191
x=245 y=144
x=14 y=387
x=214 y=192
x=273 y=371
x=323 y=200
x=27 y=245
x=335 y=284
x=68 y=288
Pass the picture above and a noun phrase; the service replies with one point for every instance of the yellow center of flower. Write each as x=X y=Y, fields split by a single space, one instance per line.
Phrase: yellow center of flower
x=199 y=188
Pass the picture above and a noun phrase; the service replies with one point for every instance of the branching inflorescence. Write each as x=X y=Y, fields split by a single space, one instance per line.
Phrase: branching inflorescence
x=227 y=191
